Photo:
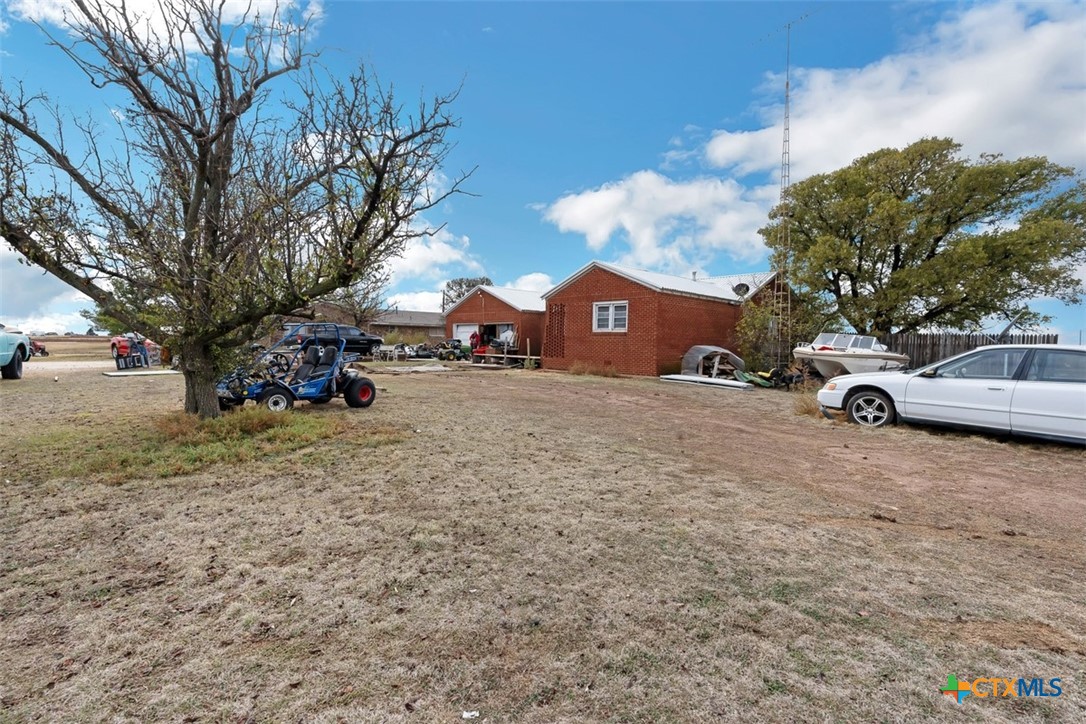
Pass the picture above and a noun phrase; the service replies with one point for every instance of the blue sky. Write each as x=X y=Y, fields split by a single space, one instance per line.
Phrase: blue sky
x=650 y=133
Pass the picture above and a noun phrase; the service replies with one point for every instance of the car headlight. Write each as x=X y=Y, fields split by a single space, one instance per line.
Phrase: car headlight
x=830 y=386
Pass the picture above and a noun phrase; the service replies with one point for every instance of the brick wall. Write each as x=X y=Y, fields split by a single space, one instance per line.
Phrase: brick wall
x=488 y=309
x=687 y=321
x=632 y=352
x=660 y=328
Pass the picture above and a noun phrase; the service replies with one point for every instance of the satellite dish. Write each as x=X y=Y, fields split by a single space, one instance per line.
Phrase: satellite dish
x=741 y=289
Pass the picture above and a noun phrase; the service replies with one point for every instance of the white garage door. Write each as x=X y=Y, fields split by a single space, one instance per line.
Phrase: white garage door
x=463 y=332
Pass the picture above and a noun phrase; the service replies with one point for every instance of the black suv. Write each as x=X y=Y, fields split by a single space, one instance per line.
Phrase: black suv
x=358 y=342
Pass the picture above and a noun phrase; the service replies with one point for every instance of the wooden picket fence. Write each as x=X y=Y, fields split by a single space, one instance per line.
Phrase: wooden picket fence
x=925 y=348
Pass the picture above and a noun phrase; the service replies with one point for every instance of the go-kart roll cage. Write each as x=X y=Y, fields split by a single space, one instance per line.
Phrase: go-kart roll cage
x=281 y=365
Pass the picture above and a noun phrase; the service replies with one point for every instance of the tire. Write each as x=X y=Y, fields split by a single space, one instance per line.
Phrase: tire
x=13 y=370
x=871 y=409
x=44 y=353
x=320 y=400
x=360 y=393
x=113 y=349
x=227 y=405
x=277 y=399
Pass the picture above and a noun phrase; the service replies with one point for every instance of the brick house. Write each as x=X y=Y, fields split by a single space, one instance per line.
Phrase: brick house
x=492 y=310
x=639 y=322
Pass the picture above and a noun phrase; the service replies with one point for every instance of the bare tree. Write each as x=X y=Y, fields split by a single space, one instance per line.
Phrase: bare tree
x=363 y=301
x=241 y=179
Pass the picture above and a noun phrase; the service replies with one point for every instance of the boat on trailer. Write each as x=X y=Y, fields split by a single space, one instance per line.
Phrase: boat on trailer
x=833 y=353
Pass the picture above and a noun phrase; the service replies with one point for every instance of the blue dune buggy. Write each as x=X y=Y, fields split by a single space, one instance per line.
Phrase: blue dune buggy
x=309 y=367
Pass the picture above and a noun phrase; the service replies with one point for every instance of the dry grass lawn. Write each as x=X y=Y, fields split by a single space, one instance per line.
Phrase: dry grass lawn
x=535 y=547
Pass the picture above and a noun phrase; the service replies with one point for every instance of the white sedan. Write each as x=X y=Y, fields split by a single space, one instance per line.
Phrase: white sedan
x=1037 y=390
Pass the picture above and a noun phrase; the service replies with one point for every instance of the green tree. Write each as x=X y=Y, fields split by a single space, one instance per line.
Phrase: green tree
x=455 y=289
x=100 y=320
x=757 y=332
x=238 y=179
x=904 y=240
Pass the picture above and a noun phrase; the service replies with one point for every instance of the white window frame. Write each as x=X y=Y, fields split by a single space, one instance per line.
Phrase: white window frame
x=596 y=306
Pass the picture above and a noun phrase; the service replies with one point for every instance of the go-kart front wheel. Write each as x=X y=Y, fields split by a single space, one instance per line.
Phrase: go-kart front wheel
x=360 y=392
x=277 y=399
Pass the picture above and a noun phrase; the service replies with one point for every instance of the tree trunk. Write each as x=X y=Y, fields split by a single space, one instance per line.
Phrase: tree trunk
x=198 y=366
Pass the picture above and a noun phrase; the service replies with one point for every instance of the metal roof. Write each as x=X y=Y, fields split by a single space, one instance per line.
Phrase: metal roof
x=722 y=288
x=396 y=318
x=523 y=300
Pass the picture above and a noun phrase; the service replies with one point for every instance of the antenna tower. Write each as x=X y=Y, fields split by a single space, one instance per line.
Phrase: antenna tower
x=782 y=297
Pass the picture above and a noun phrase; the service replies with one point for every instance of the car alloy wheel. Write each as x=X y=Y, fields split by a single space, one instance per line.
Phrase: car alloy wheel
x=871 y=409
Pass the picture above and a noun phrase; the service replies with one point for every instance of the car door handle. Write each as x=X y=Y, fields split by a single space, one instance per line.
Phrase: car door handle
x=997 y=389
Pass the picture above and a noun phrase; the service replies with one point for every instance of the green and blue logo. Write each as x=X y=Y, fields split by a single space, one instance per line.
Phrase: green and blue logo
x=998 y=686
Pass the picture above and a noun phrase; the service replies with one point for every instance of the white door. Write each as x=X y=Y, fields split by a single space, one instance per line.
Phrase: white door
x=973 y=390
x=1051 y=397
x=463 y=332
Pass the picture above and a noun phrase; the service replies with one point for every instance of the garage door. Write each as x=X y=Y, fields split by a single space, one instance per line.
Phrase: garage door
x=463 y=331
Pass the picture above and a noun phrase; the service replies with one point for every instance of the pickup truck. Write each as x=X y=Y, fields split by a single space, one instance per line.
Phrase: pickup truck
x=14 y=350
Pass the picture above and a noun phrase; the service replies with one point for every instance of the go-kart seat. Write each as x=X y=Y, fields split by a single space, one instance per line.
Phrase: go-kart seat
x=328 y=358
x=309 y=363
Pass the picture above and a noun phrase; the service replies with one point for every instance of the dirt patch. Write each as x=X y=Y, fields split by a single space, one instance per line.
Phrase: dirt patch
x=540 y=547
x=1008 y=635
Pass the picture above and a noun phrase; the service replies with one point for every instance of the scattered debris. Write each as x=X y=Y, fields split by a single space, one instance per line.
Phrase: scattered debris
x=706 y=364
x=887 y=518
x=140 y=372
x=416 y=368
x=469 y=715
x=700 y=380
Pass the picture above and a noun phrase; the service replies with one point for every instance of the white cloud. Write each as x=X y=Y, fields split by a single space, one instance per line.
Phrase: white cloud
x=432 y=257
x=533 y=282
x=148 y=18
x=55 y=11
x=416 y=301
x=1000 y=78
x=53 y=321
x=27 y=293
x=665 y=223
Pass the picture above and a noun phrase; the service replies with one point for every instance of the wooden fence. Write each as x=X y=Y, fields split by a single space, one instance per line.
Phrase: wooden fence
x=924 y=349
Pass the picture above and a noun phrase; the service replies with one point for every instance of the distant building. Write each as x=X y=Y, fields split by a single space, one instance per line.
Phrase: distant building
x=432 y=324
x=491 y=311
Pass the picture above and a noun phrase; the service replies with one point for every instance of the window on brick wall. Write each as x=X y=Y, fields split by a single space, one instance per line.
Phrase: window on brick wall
x=609 y=316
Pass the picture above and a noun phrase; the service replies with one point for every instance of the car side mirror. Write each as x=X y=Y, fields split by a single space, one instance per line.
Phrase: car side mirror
x=929 y=373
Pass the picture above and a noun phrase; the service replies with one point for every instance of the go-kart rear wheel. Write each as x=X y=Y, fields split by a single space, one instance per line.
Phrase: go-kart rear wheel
x=360 y=393
x=321 y=400
x=277 y=399
x=227 y=405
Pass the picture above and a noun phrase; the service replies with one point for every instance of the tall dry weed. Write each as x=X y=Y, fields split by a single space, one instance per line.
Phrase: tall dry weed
x=591 y=368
